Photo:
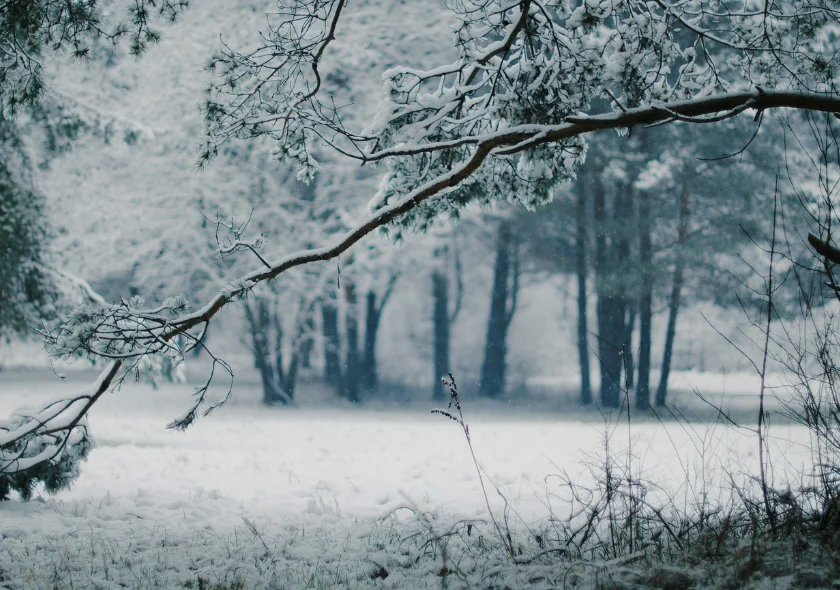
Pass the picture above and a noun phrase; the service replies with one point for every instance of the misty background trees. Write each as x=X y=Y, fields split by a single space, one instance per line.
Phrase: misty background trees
x=588 y=211
x=531 y=147
x=645 y=231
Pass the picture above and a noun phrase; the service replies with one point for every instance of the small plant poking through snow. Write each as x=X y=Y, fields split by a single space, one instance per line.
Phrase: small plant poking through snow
x=622 y=530
x=449 y=382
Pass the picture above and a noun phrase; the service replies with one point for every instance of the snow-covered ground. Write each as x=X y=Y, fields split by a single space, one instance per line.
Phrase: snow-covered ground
x=295 y=497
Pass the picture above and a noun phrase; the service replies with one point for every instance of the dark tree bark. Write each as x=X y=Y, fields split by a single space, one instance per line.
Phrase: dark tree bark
x=290 y=380
x=627 y=348
x=308 y=343
x=257 y=319
x=502 y=308
x=670 y=335
x=332 y=349
x=645 y=303
x=352 y=377
x=373 y=317
x=611 y=335
x=583 y=318
x=676 y=288
x=440 y=320
x=303 y=341
x=610 y=309
x=369 y=372
x=278 y=350
x=260 y=323
x=623 y=219
x=443 y=318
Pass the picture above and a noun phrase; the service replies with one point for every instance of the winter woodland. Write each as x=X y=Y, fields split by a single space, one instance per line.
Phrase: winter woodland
x=419 y=293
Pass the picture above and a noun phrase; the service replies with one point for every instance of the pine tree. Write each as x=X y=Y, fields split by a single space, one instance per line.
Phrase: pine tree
x=26 y=293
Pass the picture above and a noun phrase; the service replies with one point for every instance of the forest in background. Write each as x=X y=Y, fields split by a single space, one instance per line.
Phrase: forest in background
x=653 y=226
x=346 y=199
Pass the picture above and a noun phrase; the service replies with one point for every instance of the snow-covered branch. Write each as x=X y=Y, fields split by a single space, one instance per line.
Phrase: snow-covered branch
x=127 y=332
x=716 y=108
x=505 y=119
x=48 y=445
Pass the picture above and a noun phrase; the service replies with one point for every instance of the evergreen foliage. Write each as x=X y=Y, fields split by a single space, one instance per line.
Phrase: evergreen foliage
x=25 y=291
x=29 y=28
x=55 y=475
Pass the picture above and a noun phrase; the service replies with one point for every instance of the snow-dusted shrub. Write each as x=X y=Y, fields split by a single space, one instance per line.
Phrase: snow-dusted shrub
x=31 y=454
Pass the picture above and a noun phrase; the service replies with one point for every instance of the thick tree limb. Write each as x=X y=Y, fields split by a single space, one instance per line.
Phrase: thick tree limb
x=824 y=249
x=526 y=137
x=519 y=138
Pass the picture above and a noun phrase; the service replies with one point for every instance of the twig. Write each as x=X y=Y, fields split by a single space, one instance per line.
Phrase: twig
x=453 y=400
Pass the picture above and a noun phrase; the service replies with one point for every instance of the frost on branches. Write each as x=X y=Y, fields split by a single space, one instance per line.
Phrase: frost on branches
x=47 y=446
x=504 y=118
x=511 y=109
x=29 y=29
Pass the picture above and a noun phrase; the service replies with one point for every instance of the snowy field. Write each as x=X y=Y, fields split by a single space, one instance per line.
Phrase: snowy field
x=311 y=496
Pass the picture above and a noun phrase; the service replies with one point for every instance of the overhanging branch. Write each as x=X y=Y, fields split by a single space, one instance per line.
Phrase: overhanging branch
x=524 y=137
x=509 y=141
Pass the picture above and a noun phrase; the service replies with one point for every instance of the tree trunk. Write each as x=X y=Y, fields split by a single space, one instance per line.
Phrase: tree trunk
x=623 y=220
x=369 y=370
x=502 y=306
x=280 y=378
x=308 y=343
x=670 y=335
x=610 y=308
x=289 y=384
x=303 y=341
x=270 y=396
x=611 y=335
x=443 y=318
x=627 y=347
x=645 y=303
x=332 y=350
x=674 y=301
x=440 y=320
x=285 y=380
x=258 y=323
x=352 y=378
x=373 y=318
x=583 y=320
